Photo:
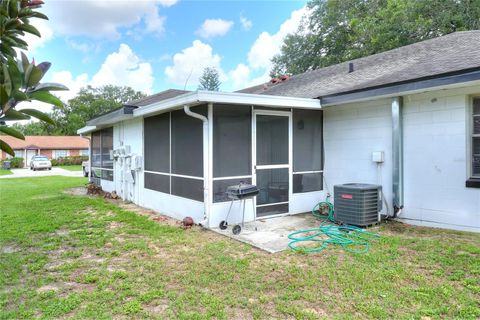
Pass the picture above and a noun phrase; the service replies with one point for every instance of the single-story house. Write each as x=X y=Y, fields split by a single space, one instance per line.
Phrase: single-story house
x=407 y=119
x=51 y=146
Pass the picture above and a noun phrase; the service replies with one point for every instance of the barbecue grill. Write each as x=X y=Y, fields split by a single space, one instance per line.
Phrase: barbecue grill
x=241 y=192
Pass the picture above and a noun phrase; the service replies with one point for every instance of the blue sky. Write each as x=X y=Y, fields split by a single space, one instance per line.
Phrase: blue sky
x=155 y=45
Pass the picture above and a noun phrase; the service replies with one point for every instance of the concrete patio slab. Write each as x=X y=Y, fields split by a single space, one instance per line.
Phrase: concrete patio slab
x=271 y=234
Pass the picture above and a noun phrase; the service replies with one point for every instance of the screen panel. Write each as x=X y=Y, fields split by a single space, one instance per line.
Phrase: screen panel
x=157 y=182
x=220 y=186
x=187 y=188
x=307 y=182
x=232 y=143
x=307 y=140
x=271 y=210
x=107 y=148
x=187 y=143
x=272 y=140
x=273 y=185
x=96 y=145
x=157 y=143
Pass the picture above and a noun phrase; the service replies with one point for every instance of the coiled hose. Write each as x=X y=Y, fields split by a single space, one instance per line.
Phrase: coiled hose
x=350 y=238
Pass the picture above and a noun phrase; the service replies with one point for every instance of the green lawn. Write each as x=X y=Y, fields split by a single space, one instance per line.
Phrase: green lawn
x=65 y=256
x=71 y=168
x=4 y=172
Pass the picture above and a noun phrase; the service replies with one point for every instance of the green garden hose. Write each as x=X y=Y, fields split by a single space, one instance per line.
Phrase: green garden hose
x=350 y=238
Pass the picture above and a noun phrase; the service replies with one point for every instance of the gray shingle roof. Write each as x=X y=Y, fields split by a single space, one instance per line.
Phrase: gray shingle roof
x=451 y=53
x=164 y=95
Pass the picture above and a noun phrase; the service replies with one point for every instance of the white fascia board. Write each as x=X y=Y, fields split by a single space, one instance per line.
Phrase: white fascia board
x=86 y=129
x=197 y=97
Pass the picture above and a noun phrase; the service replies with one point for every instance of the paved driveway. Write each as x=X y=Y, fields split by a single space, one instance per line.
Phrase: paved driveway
x=21 y=173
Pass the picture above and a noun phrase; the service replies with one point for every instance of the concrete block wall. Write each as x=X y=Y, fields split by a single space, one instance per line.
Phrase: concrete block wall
x=435 y=154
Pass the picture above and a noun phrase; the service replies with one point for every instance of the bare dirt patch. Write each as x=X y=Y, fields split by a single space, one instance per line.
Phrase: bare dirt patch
x=10 y=248
x=79 y=191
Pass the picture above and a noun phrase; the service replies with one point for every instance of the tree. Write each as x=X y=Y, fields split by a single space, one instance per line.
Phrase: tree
x=340 y=30
x=210 y=80
x=20 y=78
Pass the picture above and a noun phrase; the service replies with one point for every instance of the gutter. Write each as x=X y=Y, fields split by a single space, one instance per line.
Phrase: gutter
x=397 y=155
x=206 y=173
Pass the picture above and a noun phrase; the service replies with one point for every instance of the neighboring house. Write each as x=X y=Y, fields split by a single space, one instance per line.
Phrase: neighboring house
x=417 y=106
x=53 y=147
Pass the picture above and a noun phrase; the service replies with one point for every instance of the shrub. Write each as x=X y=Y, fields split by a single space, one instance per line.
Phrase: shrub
x=15 y=162
x=69 y=161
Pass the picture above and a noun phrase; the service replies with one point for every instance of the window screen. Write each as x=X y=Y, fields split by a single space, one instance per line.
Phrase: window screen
x=220 y=186
x=157 y=143
x=187 y=143
x=157 y=182
x=95 y=147
x=272 y=132
x=107 y=147
x=187 y=188
x=232 y=129
x=476 y=138
x=307 y=140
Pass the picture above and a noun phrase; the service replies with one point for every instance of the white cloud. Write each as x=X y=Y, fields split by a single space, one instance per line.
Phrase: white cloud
x=124 y=68
x=214 y=28
x=190 y=62
x=246 y=23
x=104 y=18
x=265 y=47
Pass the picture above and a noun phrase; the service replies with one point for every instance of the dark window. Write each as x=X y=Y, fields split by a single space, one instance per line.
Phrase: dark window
x=307 y=140
x=96 y=145
x=187 y=188
x=232 y=129
x=187 y=143
x=476 y=138
x=157 y=143
x=107 y=148
x=157 y=182
x=306 y=182
x=220 y=186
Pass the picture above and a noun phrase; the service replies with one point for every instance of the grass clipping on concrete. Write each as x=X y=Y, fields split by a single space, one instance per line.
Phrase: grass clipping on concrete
x=67 y=256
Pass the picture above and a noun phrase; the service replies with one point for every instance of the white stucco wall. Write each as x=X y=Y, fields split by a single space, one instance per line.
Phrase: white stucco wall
x=435 y=154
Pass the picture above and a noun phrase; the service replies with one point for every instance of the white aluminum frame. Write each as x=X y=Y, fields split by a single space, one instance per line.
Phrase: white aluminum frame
x=288 y=114
x=470 y=136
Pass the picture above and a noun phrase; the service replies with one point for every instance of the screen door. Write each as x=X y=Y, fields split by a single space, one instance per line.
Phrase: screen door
x=272 y=162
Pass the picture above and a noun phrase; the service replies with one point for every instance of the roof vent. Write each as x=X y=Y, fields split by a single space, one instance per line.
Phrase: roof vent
x=350 y=67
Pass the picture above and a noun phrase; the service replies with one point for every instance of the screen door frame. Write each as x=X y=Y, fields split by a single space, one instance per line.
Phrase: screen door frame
x=287 y=113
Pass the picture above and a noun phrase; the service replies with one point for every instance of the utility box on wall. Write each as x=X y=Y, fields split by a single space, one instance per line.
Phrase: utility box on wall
x=357 y=204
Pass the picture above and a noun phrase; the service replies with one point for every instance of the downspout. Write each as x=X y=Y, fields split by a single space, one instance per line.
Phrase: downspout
x=397 y=155
x=206 y=173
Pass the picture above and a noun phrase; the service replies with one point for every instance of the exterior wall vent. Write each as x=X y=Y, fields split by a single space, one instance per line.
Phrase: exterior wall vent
x=357 y=204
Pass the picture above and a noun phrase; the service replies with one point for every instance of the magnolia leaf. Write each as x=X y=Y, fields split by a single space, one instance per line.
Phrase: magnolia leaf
x=39 y=115
x=28 y=70
x=19 y=95
x=35 y=76
x=30 y=29
x=25 y=62
x=39 y=15
x=5 y=147
x=14 y=115
x=44 y=66
x=49 y=87
x=15 y=75
x=3 y=96
x=7 y=83
x=47 y=97
x=12 y=132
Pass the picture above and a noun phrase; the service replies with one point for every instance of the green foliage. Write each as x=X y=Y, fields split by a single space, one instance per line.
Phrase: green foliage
x=19 y=78
x=89 y=102
x=210 y=80
x=15 y=162
x=69 y=161
x=14 y=23
x=338 y=31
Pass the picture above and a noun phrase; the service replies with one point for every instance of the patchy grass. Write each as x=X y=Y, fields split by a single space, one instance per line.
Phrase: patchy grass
x=5 y=172
x=71 y=168
x=82 y=257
